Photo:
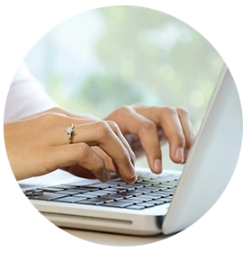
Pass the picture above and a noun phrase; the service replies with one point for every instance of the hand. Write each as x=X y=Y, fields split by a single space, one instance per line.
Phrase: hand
x=39 y=144
x=147 y=128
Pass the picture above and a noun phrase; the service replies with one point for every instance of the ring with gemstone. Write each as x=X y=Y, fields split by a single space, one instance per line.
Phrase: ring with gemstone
x=70 y=131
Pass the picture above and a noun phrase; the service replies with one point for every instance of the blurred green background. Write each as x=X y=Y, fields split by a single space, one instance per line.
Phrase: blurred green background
x=111 y=56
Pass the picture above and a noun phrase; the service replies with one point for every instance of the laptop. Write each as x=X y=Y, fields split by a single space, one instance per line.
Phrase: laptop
x=166 y=203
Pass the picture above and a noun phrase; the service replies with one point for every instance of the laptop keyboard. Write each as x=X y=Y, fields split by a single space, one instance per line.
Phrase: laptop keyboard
x=148 y=191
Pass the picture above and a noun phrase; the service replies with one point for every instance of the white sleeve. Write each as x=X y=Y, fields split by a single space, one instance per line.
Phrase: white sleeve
x=26 y=96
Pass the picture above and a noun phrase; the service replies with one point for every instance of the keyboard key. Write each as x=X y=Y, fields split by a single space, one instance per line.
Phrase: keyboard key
x=158 y=202
x=138 y=181
x=162 y=194
x=120 y=196
x=136 y=207
x=146 y=198
x=128 y=194
x=166 y=200
x=138 y=186
x=171 y=190
x=147 y=183
x=83 y=183
x=87 y=189
x=166 y=193
x=67 y=193
x=131 y=186
x=89 y=195
x=99 y=186
x=94 y=201
x=107 y=199
x=29 y=193
x=172 y=183
x=143 y=191
x=88 y=202
x=135 y=200
x=164 y=181
x=152 y=196
x=38 y=193
x=80 y=191
x=164 y=186
x=115 y=182
x=119 y=204
x=33 y=192
x=47 y=196
x=127 y=188
x=50 y=189
x=147 y=190
x=69 y=199
x=63 y=186
x=147 y=205
x=116 y=189
x=29 y=190
x=101 y=193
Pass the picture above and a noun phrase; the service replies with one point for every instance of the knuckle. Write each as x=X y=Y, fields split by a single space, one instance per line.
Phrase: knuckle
x=179 y=137
x=103 y=128
x=97 y=165
x=124 y=109
x=148 y=126
x=182 y=111
x=81 y=151
x=114 y=126
x=169 y=111
x=125 y=156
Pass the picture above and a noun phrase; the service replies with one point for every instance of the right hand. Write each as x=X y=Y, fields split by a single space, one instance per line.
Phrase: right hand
x=39 y=144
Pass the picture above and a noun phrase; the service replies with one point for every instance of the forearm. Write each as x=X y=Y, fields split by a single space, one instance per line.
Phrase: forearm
x=13 y=148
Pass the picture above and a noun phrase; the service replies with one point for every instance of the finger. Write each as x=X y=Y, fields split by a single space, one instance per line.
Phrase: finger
x=80 y=171
x=146 y=130
x=78 y=121
x=187 y=130
x=100 y=134
x=117 y=131
x=171 y=125
x=109 y=163
x=82 y=154
x=168 y=119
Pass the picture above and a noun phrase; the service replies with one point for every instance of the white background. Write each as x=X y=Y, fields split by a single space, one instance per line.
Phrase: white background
x=224 y=229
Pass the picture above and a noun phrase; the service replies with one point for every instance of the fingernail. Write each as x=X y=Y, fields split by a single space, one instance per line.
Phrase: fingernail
x=186 y=151
x=132 y=180
x=107 y=175
x=132 y=171
x=179 y=155
x=158 y=165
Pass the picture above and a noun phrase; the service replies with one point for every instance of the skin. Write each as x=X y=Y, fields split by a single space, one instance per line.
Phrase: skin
x=38 y=144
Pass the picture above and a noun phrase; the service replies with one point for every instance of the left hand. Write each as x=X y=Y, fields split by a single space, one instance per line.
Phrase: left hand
x=147 y=128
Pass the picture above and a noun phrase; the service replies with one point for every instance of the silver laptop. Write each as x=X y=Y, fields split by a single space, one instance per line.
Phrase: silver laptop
x=165 y=203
